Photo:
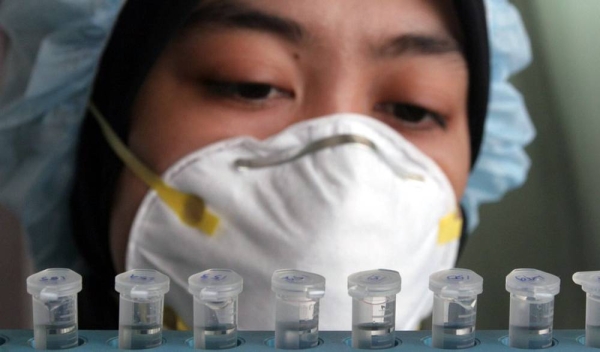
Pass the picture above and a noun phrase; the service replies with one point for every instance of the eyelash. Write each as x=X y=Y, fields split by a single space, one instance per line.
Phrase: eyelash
x=246 y=91
x=411 y=114
x=259 y=93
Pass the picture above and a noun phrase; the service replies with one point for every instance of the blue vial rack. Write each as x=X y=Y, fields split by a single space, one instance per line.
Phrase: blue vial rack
x=330 y=341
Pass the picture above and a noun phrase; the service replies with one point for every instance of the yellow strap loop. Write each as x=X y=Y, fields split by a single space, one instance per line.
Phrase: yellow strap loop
x=190 y=209
x=450 y=228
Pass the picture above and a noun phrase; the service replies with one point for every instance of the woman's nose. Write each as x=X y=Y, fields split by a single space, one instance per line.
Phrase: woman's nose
x=334 y=92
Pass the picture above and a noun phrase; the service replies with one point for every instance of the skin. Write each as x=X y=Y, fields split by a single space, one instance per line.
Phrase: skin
x=341 y=56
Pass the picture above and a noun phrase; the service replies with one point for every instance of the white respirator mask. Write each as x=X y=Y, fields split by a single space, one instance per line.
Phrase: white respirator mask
x=333 y=196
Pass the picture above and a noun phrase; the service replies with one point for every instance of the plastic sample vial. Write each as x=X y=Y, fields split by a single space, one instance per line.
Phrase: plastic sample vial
x=590 y=283
x=297 y=308
x=454 y=307
x=531 y=308
x=215 y=294
x=141 y=308
x=54 y=297
x=373 y=295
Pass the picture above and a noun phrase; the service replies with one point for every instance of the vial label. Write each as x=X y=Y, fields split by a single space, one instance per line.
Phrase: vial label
x=294 y=278
x=373 y=335
x=55 y=337
x=459 y=277
x=453 y=337
x=525 y=278
x=530 y=337
x=139 y=336
x=213 y=277
x=375 y=278
x=53 y=280
x=215 y=337
x=142 y=279
x=301 y=335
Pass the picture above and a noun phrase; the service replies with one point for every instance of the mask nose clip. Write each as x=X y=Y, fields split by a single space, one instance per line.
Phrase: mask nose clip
x=314 y=147
x=329 y=142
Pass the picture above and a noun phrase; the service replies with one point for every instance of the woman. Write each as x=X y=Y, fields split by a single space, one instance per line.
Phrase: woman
x=180 y=79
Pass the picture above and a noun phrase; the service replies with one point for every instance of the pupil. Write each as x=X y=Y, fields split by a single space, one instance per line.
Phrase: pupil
x=409 y=113
x=254 y=91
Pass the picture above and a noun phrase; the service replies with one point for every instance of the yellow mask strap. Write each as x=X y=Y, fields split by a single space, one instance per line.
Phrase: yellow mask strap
x=190 y=209
x=450 y=228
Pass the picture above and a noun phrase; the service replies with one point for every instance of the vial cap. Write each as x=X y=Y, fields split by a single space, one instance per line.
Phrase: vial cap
x=215 y=284
x=296 y=283
x=374 y=283
x=532 y=282
x=456 y=283
x=589 y=281
x=50 y=284
x=142 y=283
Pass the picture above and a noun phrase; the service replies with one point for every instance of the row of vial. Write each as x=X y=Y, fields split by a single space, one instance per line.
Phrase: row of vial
x=215 y=292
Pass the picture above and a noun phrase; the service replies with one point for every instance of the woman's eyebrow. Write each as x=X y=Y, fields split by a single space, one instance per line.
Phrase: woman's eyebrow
x=415 y=43
x=234 y=14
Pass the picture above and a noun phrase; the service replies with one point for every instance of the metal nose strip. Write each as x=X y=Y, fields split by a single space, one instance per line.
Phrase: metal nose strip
x=309 y=149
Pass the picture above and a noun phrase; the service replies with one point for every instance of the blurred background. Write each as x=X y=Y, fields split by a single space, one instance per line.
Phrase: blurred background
x=551 y=224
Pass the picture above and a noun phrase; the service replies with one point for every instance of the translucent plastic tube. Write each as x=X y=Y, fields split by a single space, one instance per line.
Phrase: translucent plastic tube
x=297 y=308
x=590 y=283
x=373 y=295
x=141 y=308
x=215 y=294
x=531 y=308
x=54 y=298
x=454 y=307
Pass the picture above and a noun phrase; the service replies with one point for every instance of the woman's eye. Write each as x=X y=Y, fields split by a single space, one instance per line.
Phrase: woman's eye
x=411 y=114
x=246 y=90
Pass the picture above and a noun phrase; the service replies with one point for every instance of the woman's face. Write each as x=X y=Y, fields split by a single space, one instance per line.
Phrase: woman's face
x=254 y=67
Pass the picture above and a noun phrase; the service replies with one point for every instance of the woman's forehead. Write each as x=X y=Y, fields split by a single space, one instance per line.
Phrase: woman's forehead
x=349 y=21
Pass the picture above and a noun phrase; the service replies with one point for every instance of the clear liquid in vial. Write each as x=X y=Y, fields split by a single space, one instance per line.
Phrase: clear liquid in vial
x=530 y=337
x=373 y=335
x=140 y=336
x=217 y=337
x=55 y=337
x=592 y=335
x=303 y=335
x=453 y=337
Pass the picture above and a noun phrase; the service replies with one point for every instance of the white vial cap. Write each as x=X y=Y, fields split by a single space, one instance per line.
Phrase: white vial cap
x=456 y=283
x=142 y=283
x=374 y=283
x=532 y=282
x=215 y=284
x=296 y=283
x=50 y=284
x=589 y=281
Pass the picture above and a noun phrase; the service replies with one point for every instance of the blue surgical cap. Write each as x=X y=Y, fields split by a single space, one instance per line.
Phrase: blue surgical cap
x=502 y=164
x=53 y=52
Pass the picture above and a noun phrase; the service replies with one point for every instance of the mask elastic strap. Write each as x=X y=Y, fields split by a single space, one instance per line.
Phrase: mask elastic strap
x=190 y=209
